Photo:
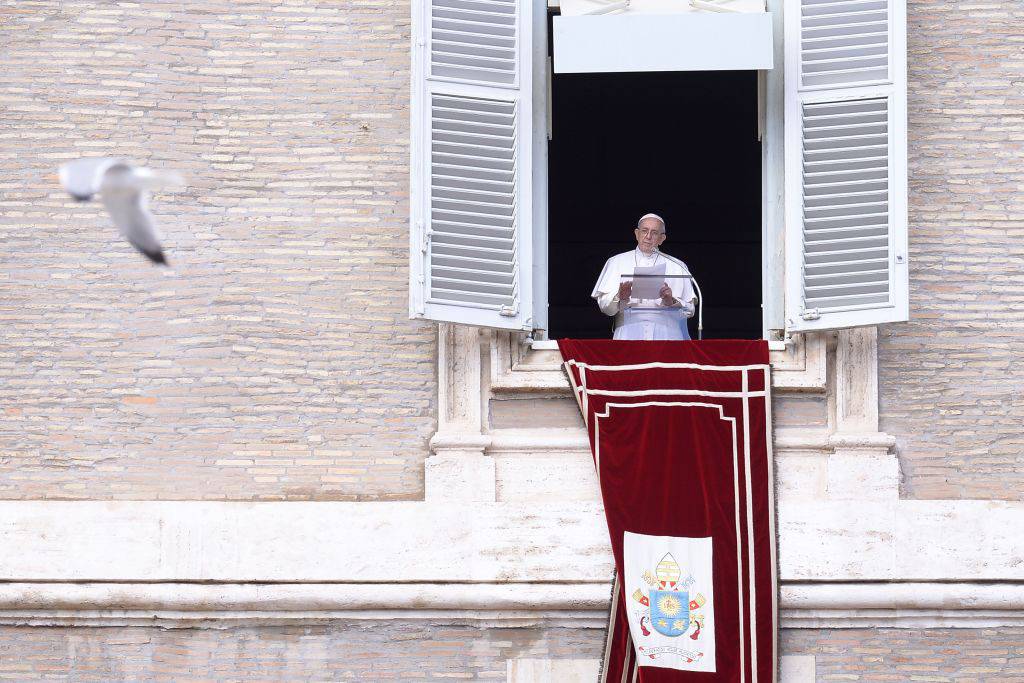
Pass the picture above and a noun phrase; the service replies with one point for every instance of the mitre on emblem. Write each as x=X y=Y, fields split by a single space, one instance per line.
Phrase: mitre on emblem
x=668 y=571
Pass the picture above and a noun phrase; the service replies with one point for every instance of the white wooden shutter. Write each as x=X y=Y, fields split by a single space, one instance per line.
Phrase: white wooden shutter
x=471 y=162
x=846 y=163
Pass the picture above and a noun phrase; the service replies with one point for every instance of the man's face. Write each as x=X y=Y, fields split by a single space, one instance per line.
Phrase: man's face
x=650 y=235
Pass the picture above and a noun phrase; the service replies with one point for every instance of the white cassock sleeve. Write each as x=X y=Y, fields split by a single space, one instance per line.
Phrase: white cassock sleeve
x=607 y=287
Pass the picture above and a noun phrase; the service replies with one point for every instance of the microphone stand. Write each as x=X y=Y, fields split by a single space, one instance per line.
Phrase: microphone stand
x=700 y=297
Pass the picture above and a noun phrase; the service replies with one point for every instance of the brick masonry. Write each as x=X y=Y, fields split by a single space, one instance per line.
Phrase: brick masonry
x=950 y=380
x=276 y=360
x=391 y=650
x=902 y=655
x=408 y=651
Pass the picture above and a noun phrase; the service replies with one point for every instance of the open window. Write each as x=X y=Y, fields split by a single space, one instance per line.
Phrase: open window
x=480 y=197
x=683 y=144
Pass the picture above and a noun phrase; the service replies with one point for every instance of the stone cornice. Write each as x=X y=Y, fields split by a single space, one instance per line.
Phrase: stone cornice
x=580 y=605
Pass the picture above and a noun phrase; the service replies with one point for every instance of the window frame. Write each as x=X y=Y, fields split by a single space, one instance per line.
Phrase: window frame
x=770 y=126
x=782 y=222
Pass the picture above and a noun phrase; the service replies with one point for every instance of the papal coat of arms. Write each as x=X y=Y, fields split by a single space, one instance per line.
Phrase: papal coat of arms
x=670 y=609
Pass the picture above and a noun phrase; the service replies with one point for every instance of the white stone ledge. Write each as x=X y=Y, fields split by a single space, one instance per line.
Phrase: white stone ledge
x=571 y=441
x=513 y=441
x=483 y=542
x=902 y=596
x=214 y=618
x=390 y=597
x=799 y=439
x=899 y=605
x=810 y=441
x=551 y=380
x=460 y=441
x=310 y=542
x=534 y=441
x=879 y=441
x=917 y=619
x=901 y=540
x=797 y=366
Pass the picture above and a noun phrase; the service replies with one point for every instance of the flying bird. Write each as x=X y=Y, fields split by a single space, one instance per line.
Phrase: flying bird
x=124 y=190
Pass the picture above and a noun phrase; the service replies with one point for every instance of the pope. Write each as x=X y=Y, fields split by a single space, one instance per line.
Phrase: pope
x=676 y=294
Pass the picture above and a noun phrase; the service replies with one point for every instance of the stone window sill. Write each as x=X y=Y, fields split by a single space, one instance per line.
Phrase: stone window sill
x=518 y=367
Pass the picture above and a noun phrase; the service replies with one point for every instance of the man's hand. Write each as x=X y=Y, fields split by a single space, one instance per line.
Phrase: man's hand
x=666 y=295
x=625 y=289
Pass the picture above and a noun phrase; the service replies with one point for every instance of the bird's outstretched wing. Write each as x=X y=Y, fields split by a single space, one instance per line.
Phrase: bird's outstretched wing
x=126 y=199
x=125 y=192
x=84 y=177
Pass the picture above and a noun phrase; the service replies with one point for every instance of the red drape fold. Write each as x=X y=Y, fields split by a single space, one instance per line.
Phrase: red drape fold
x=681 y=437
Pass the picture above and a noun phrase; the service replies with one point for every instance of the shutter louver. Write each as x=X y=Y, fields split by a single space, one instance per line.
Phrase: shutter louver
x=843 y=43
x=471 y=158
x=473 y=40
x=845 y=164
x=846 y=204
x=472 y=200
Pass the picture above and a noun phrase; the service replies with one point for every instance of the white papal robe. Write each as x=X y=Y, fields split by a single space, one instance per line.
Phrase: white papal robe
x=651 y=325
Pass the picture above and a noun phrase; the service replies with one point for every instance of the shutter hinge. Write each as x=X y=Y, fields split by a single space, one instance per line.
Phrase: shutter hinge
x=812 y=314
x=509 y=311
x=426 y=232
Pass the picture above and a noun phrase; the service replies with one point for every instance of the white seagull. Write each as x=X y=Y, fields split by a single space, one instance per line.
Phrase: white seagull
x=124 y=190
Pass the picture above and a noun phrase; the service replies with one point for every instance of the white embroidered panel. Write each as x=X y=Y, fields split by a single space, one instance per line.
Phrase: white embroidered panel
x=670 y=601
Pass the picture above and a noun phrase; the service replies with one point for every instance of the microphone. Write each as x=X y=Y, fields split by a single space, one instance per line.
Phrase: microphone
x=700 y=297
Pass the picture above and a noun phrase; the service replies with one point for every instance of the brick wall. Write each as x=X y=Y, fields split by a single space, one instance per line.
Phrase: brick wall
x=409 y=650
x=276 y=360
x=950 y=380
x=937 y=655
x=363 y=651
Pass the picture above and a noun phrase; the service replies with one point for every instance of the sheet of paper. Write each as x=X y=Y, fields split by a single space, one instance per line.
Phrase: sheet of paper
x=648 y=287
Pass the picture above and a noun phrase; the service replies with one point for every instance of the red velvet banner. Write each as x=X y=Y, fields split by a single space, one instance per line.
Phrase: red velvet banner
x=681 y=436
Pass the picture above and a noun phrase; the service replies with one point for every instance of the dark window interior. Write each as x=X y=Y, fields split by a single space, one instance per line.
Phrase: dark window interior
x=680 y=144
